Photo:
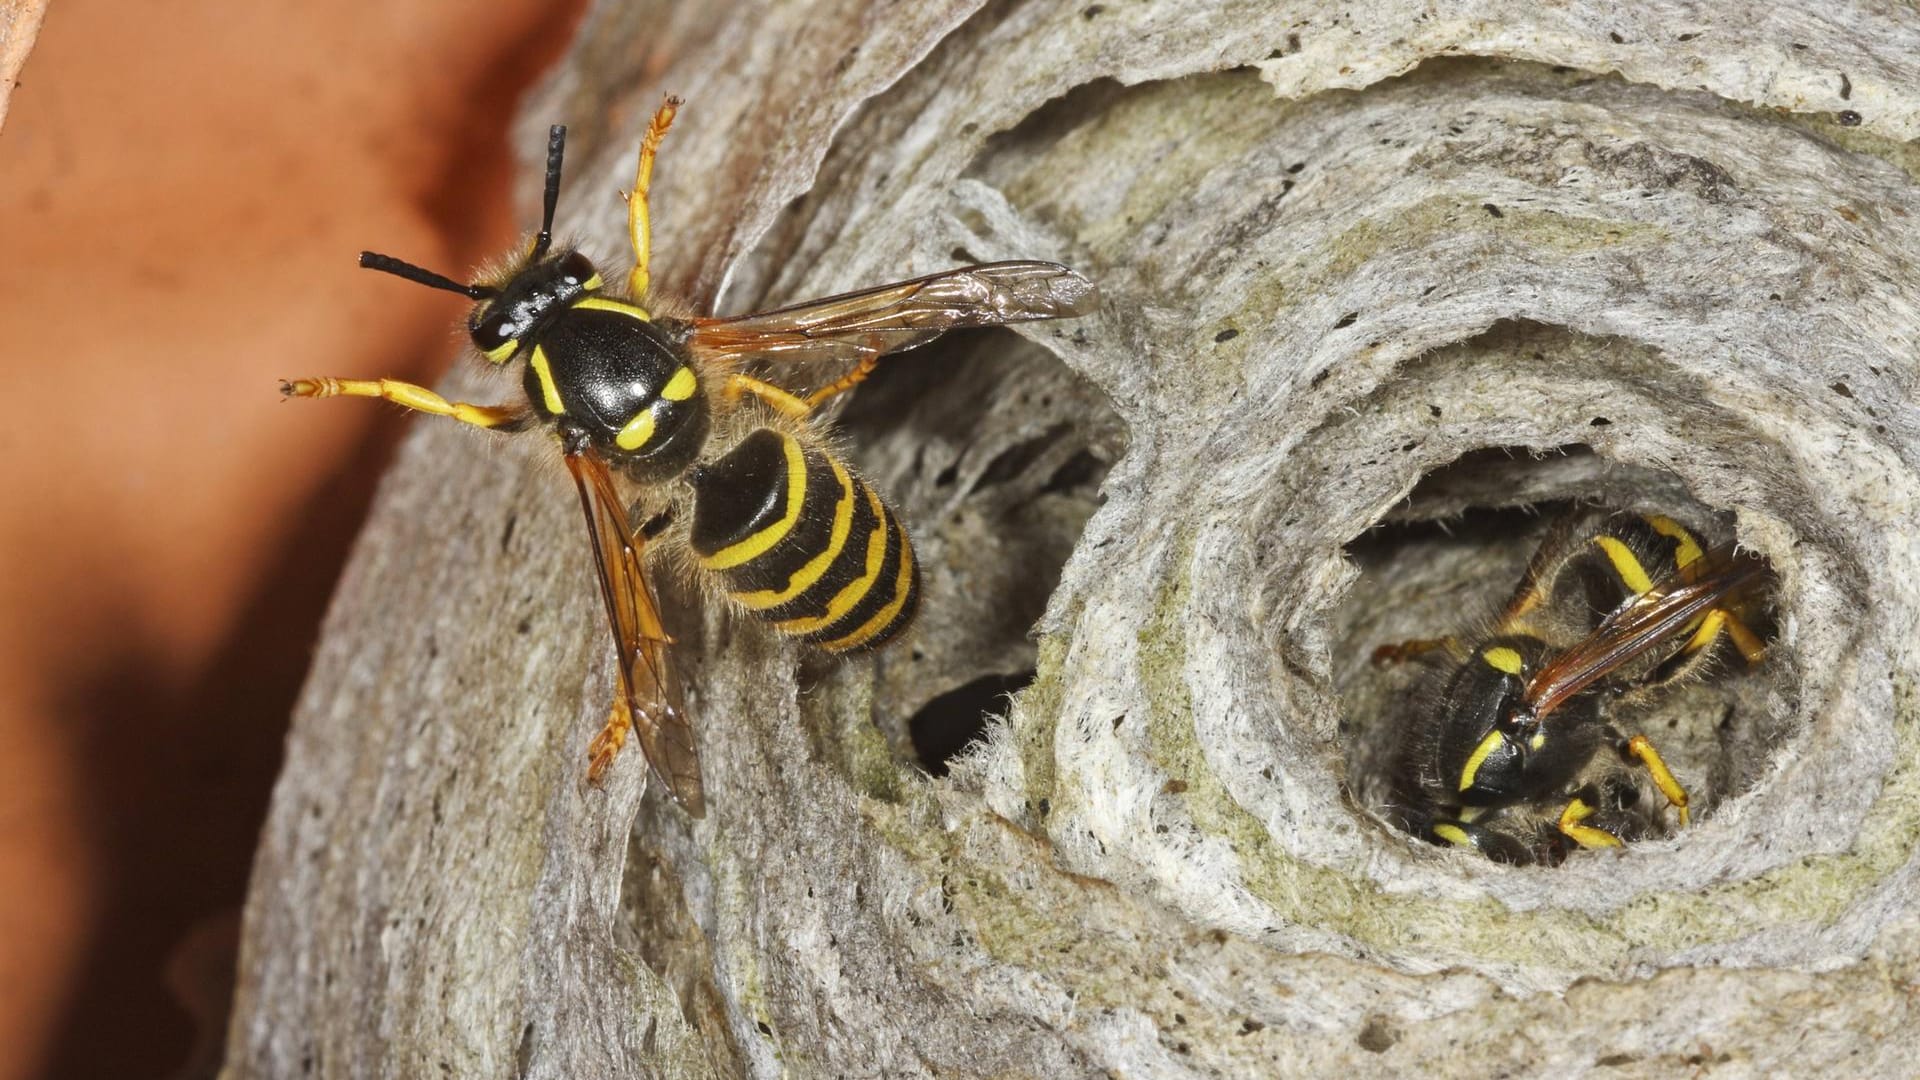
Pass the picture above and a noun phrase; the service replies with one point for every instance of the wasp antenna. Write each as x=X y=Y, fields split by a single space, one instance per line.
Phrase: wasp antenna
x=556 y=148
x=387 y=264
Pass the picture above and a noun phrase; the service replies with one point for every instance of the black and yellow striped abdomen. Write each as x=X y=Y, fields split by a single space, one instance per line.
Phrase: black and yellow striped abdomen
x=802 y=543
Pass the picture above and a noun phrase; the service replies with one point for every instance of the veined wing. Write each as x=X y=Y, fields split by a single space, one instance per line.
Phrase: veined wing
x=1636 y=627
x=888 y=318
x=648 y=696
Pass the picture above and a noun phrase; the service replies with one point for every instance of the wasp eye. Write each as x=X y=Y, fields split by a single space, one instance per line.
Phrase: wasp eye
x=576 y=269
x=492 y=334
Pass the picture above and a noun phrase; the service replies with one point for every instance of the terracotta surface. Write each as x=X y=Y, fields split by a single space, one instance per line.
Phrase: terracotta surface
x=183 y=188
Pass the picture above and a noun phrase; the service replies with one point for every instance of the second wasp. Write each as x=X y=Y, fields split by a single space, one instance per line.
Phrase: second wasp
x=1523 y=745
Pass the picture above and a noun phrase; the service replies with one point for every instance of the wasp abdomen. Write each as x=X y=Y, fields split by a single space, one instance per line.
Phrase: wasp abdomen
x=804 y=544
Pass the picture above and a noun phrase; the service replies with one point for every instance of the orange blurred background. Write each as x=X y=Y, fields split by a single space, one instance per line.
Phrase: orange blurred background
x=183 y=189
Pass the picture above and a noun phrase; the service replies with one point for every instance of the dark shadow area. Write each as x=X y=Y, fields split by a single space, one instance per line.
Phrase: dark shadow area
x=956 y=719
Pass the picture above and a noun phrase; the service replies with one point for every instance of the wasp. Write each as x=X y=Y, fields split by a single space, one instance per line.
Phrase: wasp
x=1515 y=752
x=780 y=525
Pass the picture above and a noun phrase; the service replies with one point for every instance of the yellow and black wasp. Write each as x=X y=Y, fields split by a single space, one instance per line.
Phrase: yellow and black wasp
x=1516 y=753
x=778 y=523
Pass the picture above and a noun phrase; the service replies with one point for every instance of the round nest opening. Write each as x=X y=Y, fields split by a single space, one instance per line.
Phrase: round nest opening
x=1451 y=585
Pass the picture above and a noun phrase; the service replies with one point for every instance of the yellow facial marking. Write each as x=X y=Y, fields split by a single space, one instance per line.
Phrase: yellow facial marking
x=757 y=545
x=593 y=283
x=608 y=303
x=681 y=386
x=1488 y=745
x=1453 y=834
x=499 y=353
x=548 y=390
x=1539 y=740
x=637 y=432
x=1686 y=548
x=1625 y=563
x=855 y=590
x=804 y=578
x=902 y=586
x=1501 y=658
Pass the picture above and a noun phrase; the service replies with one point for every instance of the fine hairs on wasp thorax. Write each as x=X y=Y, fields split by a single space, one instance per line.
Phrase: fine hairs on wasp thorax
x=1521 y=741
x=690 y=413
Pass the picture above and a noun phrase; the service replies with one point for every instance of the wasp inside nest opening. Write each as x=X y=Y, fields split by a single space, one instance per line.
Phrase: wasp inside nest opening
x=1560 y=676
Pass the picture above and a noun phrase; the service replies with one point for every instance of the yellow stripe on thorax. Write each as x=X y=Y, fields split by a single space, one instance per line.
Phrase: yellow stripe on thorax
x=605 y=303
x=681 y=386
x=855 y=590
x=804 y=578
x=1488 y=745
x=1625 y=563
x=1501 y=658
x=757 y=545
x=548 y=390
x=902 y=586
x=1453 y=834
x=637 y=432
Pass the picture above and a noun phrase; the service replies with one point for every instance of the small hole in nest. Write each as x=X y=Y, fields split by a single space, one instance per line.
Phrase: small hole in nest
x=1517 y=622
x=956 y=719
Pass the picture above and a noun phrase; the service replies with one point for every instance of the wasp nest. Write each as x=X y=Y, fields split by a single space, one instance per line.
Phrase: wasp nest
x=1670 y=250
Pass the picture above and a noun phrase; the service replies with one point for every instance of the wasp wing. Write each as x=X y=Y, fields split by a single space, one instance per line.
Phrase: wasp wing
x=1633 y=629
x=888 y=318
x=649 y=691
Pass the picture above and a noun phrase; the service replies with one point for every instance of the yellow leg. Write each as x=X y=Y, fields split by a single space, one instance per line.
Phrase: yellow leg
x=1749 y=643
x=1640 y=748
x=1707 y=633
x=417 y=398
x=779 y=400
x=1587 y=836
x=606 y=745
x=639 y=225
x=846 y=382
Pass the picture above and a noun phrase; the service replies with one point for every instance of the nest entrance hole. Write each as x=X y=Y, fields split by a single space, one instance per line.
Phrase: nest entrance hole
x=1444 y=563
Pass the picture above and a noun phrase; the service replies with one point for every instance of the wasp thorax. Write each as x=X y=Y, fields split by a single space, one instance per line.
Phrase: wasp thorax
x=527 y=300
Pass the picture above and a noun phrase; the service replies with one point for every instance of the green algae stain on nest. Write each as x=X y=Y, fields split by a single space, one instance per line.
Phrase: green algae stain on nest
x=1035 y=718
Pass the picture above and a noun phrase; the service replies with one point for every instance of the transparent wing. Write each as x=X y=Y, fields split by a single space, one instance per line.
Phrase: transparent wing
x=888 y=318
x=1636 y=627
x=649 y=692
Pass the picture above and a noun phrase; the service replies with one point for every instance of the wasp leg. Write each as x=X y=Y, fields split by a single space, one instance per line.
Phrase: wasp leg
x=1752 y=649
x=1713 y=624
x=779 y=400
x=639 y=224
x=1407 y=650
x=846 y=382
x=1587 y=836
x=607 y=744
x=1640 y=749
x=417 y=398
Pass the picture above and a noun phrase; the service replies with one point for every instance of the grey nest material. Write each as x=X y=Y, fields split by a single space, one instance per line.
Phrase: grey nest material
x=1530 y=254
